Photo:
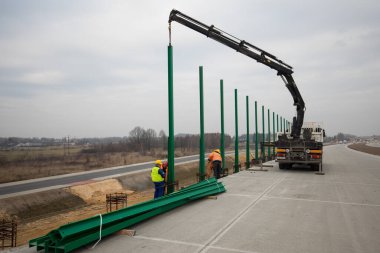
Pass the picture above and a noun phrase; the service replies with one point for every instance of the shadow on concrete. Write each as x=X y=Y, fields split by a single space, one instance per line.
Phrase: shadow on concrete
x=301 y=167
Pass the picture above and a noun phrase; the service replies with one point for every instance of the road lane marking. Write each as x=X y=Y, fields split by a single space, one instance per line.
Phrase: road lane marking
x=190 y=244
x=237 y=218
x=323 y=201
x=166 y=240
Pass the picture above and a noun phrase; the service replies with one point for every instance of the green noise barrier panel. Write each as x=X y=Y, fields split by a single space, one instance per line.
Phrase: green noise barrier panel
x=77 y=234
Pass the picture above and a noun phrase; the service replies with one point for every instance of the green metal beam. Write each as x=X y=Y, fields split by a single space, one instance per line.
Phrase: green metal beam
x=247 y=153
x=74 y=235
x=222 y=151
x=202 y=140
x=269 y=149
x=274 y=132
x=171 y=177
x=236 y=169
x=256 y=135
x=263 y=137
x=277 y=123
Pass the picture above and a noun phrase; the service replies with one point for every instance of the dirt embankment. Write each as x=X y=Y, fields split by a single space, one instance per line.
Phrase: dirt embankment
x=364 y=148
x=39 y=213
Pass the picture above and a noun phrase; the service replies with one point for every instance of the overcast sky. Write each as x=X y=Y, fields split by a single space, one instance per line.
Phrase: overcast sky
x=99 y=68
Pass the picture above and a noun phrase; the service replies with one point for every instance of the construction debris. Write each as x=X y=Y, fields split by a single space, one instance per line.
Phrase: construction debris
x=116 y=201
x=127 y=232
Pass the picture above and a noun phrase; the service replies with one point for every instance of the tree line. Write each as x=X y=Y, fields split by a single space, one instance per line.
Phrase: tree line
x=144 y=140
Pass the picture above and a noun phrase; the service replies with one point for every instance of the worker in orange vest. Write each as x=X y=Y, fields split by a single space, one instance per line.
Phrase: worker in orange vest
x=216 y=162
x=165 y=166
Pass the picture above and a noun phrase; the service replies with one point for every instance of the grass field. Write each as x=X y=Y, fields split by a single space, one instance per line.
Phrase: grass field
x=29 y=163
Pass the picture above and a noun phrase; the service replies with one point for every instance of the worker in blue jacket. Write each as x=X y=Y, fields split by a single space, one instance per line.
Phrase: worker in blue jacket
x=158 y=178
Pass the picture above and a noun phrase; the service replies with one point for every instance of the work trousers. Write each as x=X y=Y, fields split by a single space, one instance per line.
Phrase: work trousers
x=217 y=168
x=159 y=189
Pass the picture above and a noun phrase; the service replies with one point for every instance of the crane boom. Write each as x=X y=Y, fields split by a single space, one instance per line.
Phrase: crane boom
x=284 y=70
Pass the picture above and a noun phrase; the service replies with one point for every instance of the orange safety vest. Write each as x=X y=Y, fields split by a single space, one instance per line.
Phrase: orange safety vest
x=214 y=156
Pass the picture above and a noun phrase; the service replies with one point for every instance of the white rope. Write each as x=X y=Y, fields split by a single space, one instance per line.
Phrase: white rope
x=100 y=231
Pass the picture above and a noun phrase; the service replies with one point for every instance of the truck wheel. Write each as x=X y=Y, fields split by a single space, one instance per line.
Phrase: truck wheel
x=315 y=166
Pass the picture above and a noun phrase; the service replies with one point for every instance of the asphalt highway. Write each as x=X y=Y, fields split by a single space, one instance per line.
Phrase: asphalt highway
x=54 y=182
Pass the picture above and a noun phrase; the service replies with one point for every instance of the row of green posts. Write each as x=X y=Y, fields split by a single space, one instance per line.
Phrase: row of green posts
x=282 y=125
x=77 y=234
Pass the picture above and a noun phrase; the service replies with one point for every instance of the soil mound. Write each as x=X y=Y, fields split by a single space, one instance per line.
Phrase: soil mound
x=39 y=204
x=365 y=148
x=95 y=192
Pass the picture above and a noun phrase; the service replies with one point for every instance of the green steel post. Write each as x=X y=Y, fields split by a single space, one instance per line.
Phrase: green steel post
x=263 y=137
x=284 y=125
x=222 y=126
x=247 y=153
x=269 y=153
x=170 y=187
x=256 y=135
x=236 y=169
x=281 y=124
x=274 y=132
x=201 y=141
x=277 y=123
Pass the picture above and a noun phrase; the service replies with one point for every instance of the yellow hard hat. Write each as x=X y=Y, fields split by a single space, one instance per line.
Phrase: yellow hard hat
x=217 y=151
x=159 y=162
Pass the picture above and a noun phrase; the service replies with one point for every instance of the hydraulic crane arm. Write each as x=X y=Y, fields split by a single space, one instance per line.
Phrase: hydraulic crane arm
x=284 y=70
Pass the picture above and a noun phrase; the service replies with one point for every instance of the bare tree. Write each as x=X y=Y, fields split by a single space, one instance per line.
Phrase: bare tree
x=136 y=137
x=163 y=139
x=150 y=138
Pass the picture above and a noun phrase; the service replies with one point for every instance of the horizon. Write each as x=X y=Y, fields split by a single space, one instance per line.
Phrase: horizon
x=127 y=136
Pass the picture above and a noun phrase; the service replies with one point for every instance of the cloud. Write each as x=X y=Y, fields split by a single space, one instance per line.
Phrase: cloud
x=94 y=69
x=43 y=78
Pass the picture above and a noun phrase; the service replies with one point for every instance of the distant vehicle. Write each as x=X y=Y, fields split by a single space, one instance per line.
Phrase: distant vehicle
x=308 y=149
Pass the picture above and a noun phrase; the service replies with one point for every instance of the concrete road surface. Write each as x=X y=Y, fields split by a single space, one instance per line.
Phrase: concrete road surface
x=275 y=211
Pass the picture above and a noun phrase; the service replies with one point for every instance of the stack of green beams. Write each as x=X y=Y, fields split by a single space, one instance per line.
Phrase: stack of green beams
x=76 y=234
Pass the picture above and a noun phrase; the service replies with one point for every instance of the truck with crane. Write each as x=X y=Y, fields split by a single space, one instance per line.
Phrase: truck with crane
x=308 y=149
x=297 y=146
